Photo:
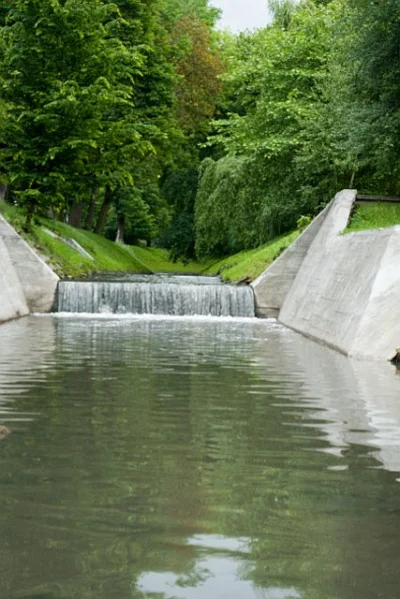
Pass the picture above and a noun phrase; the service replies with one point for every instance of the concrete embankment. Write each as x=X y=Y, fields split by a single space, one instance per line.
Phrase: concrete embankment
x=27 y=283
x=345 y=289
x=273 y=285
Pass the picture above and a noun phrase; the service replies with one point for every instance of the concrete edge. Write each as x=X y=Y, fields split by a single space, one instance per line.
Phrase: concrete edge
x=26 y=245
x=272 y=286
x=38 y=282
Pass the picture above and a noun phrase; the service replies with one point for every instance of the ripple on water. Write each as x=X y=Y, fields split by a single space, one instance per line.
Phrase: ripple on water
x=186 y=458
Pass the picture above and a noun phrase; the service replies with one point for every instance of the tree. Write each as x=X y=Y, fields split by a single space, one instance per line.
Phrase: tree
x=202 y=10
x=64 y=79
x=375 y=87
x=196 y=57
x=353 y=138
x=199 y=67
x=273 y=89
x=152 y=96
x=179 y=191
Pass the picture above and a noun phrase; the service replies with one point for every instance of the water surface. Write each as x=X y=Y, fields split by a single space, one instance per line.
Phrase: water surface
x=194 y=459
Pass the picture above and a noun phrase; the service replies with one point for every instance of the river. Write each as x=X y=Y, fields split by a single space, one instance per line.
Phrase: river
x=202 y=458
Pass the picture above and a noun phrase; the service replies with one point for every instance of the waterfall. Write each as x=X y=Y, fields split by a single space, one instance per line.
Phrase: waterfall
x=172 y=297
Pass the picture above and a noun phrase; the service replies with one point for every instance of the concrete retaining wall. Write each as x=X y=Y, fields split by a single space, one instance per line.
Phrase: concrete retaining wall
x=272 y=286
x=347 y=289
x=27 y=283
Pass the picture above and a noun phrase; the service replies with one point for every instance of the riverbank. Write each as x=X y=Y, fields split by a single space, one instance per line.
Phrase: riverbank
x=27 y=283
x=52 y=240
x=341 y=290
x=72 y=252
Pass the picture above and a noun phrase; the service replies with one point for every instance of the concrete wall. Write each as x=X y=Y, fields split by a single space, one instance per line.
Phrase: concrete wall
x=272 y=286
x=27 y=284
x=346 y=291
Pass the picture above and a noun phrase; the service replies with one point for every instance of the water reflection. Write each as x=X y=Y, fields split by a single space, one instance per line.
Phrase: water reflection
x=24 y=360
x=217 y=573
x=179 y=459
x=351 y=401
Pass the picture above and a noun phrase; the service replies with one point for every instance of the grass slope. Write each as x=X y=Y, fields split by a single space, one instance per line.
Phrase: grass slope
x=110 y=256
x=374 y=216
x=251 y=263
x=65 y=260
x=157 y=260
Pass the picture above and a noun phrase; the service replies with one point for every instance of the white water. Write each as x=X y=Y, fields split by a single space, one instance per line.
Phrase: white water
x=167 y=298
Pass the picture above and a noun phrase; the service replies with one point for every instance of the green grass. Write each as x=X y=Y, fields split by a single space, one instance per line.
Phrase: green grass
x=66 y=261
x=247 y=265
x=374 y=216
x=110 y=256
x=107 y=254
x=157 y=260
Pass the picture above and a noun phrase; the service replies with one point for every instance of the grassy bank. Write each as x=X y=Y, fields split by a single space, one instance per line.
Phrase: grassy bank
x=374 y=216
x=107 y=255
x=110 y=256
x=249 y=264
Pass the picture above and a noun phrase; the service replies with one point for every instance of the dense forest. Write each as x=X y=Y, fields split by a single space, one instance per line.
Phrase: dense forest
x=139 y=119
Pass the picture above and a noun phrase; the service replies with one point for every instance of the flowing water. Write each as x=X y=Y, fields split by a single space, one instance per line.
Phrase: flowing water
x=197 y=458
x=169 y=295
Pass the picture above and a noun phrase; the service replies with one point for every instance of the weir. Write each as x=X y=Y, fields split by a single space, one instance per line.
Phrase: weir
x=172 y=296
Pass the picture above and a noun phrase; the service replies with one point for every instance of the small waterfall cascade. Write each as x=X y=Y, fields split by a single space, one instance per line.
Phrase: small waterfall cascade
x=175 y=296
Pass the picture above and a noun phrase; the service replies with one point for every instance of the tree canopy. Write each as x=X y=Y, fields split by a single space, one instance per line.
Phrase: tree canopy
x=139 y=118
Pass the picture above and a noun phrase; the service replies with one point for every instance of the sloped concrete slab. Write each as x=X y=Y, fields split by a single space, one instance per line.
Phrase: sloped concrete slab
x=272 y=286
x=71 y=242
x=346 y=292
x=12 y=298
x=23 y=269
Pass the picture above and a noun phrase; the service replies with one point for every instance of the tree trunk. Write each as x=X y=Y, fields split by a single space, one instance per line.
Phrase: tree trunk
x=4 y=193
x=121 y=228
x=29 y=215
x=75 y=215
x=90 y=214
x=101 y=221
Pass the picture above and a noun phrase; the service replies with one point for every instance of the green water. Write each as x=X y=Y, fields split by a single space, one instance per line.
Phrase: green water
x=194 y=459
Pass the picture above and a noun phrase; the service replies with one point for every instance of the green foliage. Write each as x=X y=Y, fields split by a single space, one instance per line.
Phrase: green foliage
x=376 y=87
x=218 y=226
x=353 y=139
x=238 y=206
x=138 y=222
x=179 y=191
x=88 y=90
x=174 y=10
x=260 y=188
x=113 y=100
x=303 y=222
x=197 y=61
x=99 y=99
x=199 y=66
x=282 y=11
x=281 y=68
x=311 y=106
x=65 y=81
